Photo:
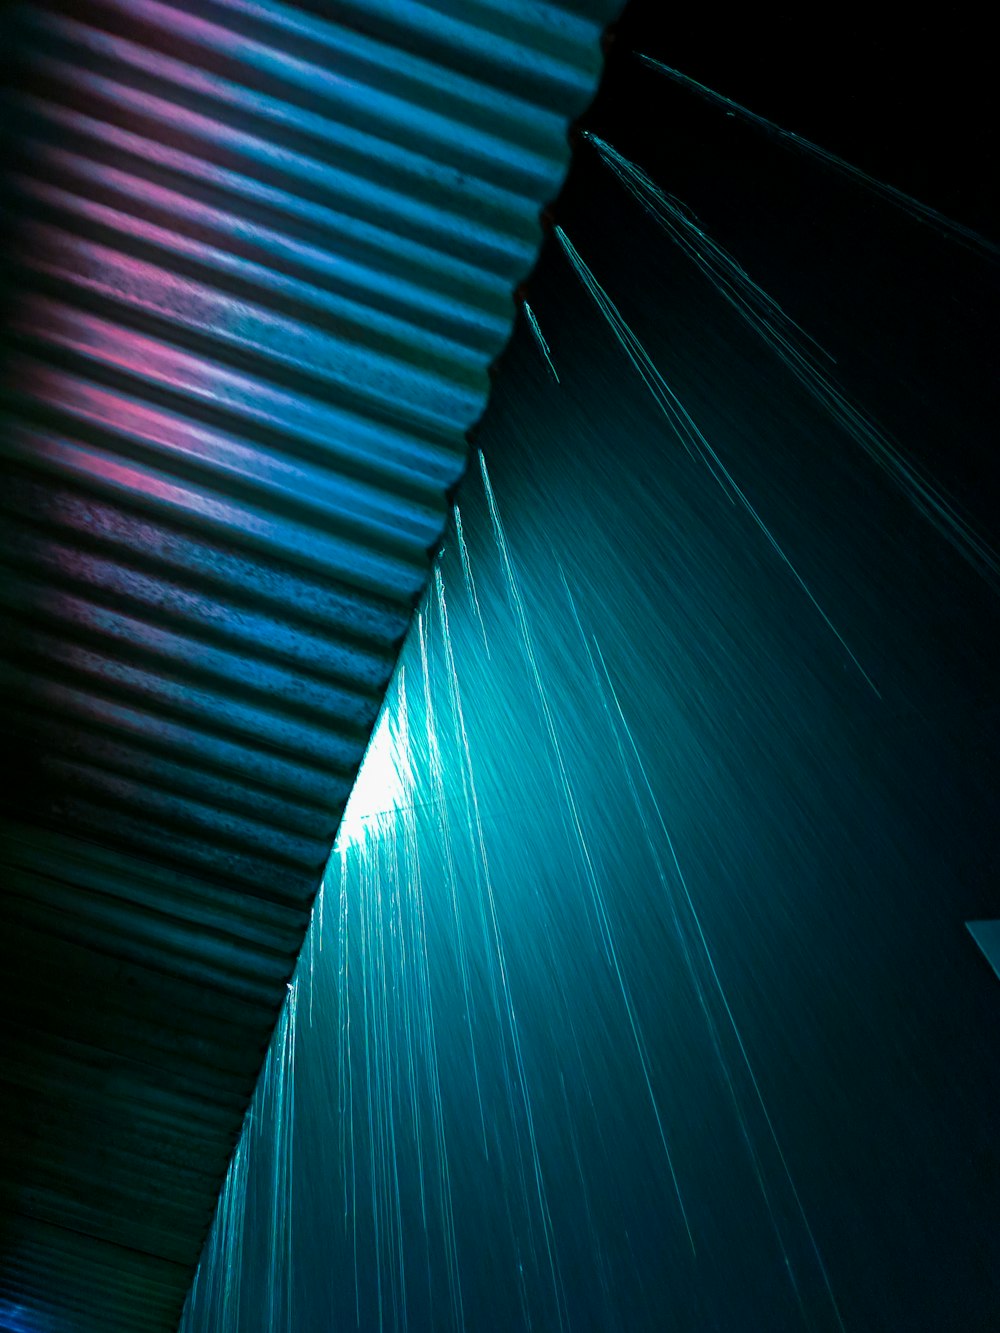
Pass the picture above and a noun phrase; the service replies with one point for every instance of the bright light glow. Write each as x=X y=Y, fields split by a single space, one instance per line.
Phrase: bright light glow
x=385 y=782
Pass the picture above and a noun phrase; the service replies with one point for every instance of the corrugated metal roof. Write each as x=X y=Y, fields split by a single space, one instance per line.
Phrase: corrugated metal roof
x=259 y=258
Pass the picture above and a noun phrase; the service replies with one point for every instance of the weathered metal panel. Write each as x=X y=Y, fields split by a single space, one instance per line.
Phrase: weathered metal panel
x=258 y=258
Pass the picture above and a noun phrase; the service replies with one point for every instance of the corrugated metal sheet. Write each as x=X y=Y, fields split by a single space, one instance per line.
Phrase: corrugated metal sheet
x=258 y=259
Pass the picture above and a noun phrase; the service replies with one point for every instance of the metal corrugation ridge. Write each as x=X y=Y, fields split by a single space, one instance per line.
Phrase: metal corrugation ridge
x=258 y=259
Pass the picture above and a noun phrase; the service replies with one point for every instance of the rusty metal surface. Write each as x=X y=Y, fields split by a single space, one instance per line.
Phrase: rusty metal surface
x=257 y=261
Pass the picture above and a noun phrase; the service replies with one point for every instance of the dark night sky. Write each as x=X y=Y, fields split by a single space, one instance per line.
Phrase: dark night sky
x=908 y=100
x=911 y=103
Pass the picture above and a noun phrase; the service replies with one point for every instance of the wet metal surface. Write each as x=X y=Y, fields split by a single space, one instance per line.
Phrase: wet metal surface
x=258 y=263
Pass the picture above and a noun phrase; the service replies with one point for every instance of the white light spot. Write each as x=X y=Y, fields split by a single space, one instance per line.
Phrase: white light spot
x=383 y=787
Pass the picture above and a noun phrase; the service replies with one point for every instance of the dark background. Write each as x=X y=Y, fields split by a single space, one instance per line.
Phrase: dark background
x=906 y=100
x=841 y=841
